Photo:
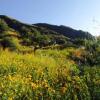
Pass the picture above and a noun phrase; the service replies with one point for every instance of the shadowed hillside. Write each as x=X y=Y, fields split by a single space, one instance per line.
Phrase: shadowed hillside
x=67 y=31
x=16 y=34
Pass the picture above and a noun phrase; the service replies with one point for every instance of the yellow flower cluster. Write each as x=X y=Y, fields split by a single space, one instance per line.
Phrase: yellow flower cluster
x=46 y=75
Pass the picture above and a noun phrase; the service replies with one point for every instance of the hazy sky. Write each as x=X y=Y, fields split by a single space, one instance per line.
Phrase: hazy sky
x=78 y=14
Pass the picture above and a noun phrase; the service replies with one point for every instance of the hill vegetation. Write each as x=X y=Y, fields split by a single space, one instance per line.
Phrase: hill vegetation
x=39 y=34
x=47 y=62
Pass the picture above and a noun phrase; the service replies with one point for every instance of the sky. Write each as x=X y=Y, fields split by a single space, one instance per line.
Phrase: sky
x=78 y=14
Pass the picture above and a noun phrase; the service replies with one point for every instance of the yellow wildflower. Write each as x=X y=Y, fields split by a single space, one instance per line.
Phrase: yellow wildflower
x=9 y=77
x=63 y=90
x=10 y=98
x=34 y=86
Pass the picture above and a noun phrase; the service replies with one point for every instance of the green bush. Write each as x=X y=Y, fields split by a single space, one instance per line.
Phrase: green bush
x=8 y=42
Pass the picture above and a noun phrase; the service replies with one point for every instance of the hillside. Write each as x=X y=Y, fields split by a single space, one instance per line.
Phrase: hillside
x=14 y=32
x=47 y=62
x=67 y=31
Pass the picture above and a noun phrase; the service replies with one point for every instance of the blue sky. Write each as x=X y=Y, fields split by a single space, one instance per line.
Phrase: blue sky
x=78 y=14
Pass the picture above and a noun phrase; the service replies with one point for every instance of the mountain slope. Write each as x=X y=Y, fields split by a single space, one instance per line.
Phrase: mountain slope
x=18 y=34
x=67 y=31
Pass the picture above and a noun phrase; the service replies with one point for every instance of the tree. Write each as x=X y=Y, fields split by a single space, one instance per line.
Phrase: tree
x=3 y=25
x=9 y=43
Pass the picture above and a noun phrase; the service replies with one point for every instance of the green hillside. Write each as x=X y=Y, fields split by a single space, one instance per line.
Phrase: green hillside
x=47 y=62
x=18 y=34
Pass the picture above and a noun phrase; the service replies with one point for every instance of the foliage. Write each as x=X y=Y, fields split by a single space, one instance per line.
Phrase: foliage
x=40 y=62
x=3 y=25
x=41 y=34
x=9 y=43
x=49 y=74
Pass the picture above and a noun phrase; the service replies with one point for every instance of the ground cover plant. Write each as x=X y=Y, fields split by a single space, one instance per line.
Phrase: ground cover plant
x=47 y=75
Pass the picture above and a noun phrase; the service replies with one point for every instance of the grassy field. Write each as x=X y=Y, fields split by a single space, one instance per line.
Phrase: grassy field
x=47 y=75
